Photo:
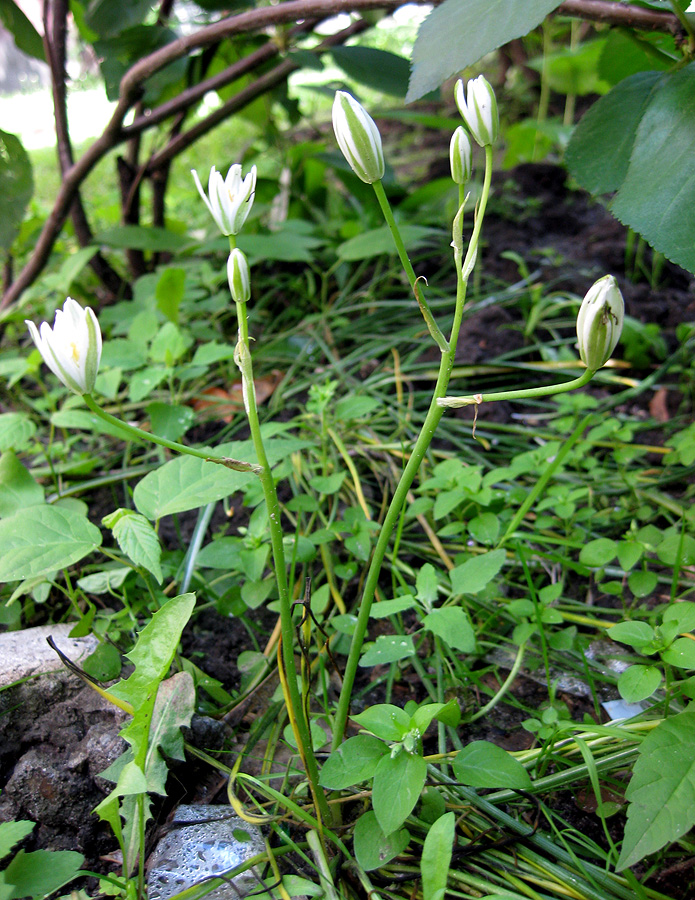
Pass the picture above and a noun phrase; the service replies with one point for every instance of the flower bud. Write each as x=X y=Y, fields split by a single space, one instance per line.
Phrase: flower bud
x=238 y=275
x=460 y=156
x=358 y=138
x=479 y=110
x=72 y=348
x=600 y=322
x=230 y=199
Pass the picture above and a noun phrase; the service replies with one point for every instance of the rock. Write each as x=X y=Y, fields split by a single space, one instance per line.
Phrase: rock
x=56 y=735
x=204 y=842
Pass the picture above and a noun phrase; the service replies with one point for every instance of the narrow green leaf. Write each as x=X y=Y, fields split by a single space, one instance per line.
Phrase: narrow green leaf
x=436 y=857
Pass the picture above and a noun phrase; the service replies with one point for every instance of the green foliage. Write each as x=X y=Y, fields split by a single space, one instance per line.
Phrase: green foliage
x=458 y=32
x=436 y=857
x=16 y=181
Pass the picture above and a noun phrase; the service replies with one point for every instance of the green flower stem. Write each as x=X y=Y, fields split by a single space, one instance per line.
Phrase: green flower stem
x=509 y=680
x=139 y=435
x=434 y=329
x=522 y=394
x=434 y=414
x=242 y=358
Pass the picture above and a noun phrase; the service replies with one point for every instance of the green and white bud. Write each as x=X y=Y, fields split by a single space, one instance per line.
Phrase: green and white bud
x=460 y=156
x=479 y=110
x=600 y=322
x=238 y=276
x=358 y=138
x=72 y=348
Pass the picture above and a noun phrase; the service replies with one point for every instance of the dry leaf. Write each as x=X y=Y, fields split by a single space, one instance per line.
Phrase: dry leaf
x=225 y=404
x=658 y=407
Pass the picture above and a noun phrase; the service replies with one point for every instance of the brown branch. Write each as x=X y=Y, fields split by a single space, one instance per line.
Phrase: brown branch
x=251 y=20
x=54 y=39
x=614 y=13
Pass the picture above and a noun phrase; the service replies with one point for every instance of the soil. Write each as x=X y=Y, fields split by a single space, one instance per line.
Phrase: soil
x=571 y=241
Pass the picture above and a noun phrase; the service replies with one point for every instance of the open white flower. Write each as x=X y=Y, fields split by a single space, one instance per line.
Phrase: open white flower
x=72 y=348
x=358 y=138
x=478 y=109
x=600 y=322
x=230 y=199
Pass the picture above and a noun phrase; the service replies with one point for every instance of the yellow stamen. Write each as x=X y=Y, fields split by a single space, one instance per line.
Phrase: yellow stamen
x=75 y=353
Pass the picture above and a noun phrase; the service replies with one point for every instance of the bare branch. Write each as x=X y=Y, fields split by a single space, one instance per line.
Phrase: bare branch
x=615 y=13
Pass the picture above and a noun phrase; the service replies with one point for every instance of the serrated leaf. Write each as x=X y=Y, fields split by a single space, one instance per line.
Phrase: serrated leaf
x=662 y=790
x=436 y=857
x=598 y=154
x=398 y=782
x=663 y=214
x=173 y=710
x=458 y=33
x=354 y=761
x=452 y=625
x=43 y=538
x=473 y=575
x=140 y=543
x=485 y=765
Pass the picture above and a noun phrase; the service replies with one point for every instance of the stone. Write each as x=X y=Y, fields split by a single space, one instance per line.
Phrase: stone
x=204 y=842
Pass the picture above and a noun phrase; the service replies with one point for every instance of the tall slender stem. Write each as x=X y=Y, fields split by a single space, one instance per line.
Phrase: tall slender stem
x=243 y=360
x=434 y=414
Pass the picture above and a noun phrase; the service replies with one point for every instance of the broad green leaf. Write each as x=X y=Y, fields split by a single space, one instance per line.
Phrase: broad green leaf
x=169 y=344
x=683 y=613
x=26 y=37
x=138 y=237
x=473 y=575
x=452 y=625
x=38 y=874
x=169 y=292
x=427 y=584
x=12 y=833
x=449 y=713
x=377 y=69
x=642 y=583
x=598 y=154
x=574 y=70
x=485 y=765
x=638 y=682
x=140 y=543
x=484 y=528
x=634 y=634
x=105 y=581
x=41 y=539
x=173 y=710
x=661 y=791
x=16 y=430
x=17 y=488
x=157 y=643
x=282 y=246
x=327 y=484
x=598 y=553
x=625 y=53
x=436 y=857
x=189 y=483
x=104 y=664
x=84 y=420
x=354 y=761
x=355 y=406
x=105 y=19
x=677 y=549
x=629 y=554
x=386 y=721
x=663 y=214
x=458 y=33
x=207 y=354
x=387 y=648
x=681 y=653
x=398 y=782
x=373 y=848
x=170 y=421
x=379 y=241
x=16 y=183
x=392 y=607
